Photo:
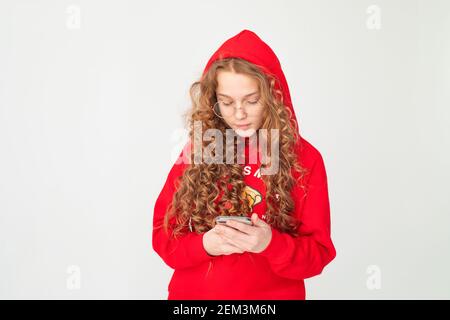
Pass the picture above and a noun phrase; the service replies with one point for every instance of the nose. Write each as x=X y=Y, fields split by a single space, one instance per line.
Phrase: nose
x=240 y=113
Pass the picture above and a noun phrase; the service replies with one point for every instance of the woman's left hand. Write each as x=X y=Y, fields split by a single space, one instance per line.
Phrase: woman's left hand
x=253 y=238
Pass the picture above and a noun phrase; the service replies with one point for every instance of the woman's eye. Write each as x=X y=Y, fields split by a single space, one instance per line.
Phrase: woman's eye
x=254 y=101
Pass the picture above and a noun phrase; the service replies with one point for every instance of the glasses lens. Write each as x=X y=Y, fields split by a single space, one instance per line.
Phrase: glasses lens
x=222 y=108
x=216 y=110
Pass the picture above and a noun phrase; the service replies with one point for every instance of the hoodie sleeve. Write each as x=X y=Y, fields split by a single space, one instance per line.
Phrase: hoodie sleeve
x=305 y=256
x=185 y=251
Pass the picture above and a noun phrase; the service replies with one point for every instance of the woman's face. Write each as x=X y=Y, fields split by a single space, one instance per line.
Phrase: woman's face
x=239 y=102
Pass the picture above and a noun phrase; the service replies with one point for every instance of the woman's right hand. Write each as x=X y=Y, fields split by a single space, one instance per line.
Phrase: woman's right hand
x=215 y=245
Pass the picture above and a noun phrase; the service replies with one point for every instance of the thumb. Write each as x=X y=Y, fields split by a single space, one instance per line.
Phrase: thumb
x=256 y=220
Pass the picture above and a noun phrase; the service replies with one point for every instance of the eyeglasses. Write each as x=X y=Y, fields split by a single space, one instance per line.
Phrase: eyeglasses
x=225 y=109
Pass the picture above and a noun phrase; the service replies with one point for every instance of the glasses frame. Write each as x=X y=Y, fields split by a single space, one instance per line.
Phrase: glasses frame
x=218 y=114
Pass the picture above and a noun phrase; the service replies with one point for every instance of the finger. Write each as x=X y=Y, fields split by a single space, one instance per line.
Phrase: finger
x=230 y=233
x=234 y=243
x=228 y=249
x=257 y=222
x=240 y=243
x=238 y=249
x=245 y=228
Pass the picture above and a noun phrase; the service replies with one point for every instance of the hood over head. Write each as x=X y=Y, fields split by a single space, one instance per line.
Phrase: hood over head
x=248 y=45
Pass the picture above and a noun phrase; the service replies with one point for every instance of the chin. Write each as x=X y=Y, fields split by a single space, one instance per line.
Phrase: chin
x=245 y=133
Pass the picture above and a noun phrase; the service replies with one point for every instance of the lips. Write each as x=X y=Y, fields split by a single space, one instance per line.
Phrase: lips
x=243 y=126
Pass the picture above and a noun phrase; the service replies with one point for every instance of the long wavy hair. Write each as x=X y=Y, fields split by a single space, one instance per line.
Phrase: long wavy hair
x=193 y=205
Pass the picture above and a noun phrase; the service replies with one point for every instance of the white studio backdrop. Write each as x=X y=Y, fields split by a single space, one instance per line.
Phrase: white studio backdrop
x=91 y=97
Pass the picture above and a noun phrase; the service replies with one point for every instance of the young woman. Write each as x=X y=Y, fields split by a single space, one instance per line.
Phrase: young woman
x=243 y=89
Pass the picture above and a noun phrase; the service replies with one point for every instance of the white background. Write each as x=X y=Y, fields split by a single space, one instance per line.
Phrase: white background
x=91 y=97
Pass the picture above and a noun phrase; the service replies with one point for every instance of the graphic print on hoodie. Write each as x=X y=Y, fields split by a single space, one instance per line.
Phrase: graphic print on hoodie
x=279 y=271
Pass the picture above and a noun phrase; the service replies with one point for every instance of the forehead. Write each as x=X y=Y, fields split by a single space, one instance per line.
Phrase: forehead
x=235 y=85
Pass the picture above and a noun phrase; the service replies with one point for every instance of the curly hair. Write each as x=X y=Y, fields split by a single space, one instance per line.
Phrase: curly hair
x=200 y=185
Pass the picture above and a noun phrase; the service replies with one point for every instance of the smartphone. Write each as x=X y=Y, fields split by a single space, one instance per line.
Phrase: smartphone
x=224 y=219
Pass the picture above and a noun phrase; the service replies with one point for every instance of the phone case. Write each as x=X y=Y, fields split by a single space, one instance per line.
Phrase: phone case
x=224 y=219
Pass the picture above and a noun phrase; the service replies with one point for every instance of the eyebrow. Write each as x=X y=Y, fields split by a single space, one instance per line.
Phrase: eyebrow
x=247 y=95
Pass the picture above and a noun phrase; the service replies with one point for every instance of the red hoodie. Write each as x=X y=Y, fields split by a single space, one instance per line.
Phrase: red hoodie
x=279 y=271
